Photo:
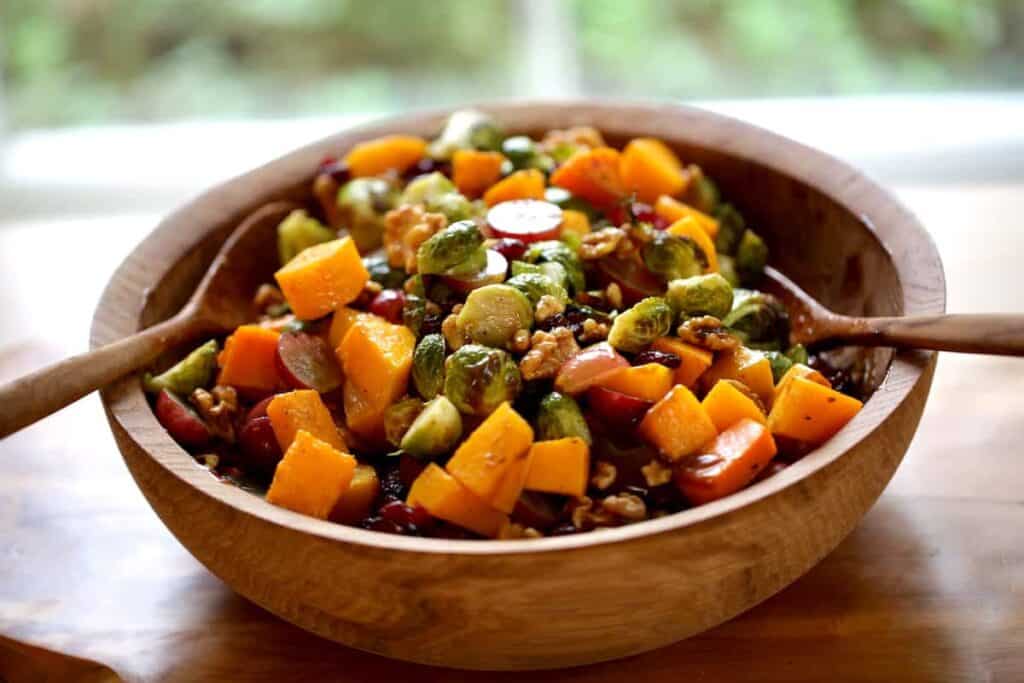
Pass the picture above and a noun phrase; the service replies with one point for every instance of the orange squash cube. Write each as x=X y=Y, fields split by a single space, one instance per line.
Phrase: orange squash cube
x=593 y=175
x=688 y=226
x=727 y=404
x=677 y=425
x=311 y=477
x=341 y=323
x=249 y=359
x=672 y=210
x=559 y=466
x=473 y=171
x=811 y=412
x=650 y=381
x=357 y=500
x=527 y=184
x=364 y=412
x=512 y=485
x=750 y=367
x=575 y=222
x=322 y=278
x=693 y=359
x=377 y=357
x=389 y=153
x=727 y=464
x=444 y=497
x=800 y=370
x=650 y=169
x=303 y=410
x=494 y=448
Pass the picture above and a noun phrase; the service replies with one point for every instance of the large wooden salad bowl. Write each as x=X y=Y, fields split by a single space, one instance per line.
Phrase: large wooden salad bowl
x=555 y=602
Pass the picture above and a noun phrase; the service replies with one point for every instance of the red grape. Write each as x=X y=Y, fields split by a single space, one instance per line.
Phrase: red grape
x=259 y=445
x=181 y=421
x=388 y=305
x=510 y=248
x=306 y=362
x=493 y=273
x=529 y=220
x=581 y=371
x=617 y=408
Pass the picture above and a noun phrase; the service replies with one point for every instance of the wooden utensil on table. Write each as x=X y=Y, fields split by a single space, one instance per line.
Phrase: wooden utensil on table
x=221 y=302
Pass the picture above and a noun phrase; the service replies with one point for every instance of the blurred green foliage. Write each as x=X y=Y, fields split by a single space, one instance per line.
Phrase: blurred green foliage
x=83 y=61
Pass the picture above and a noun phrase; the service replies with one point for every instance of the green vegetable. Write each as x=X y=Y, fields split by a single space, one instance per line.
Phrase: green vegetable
x=566 y=200
x=425 y=188
x=414 y=285
x=751 y=258
x=554 y=251
x=298 y=231
x=414 y=310
x=673 y=257
x=471 y=265
x=398 y=417
x=453 y=205
x=478 y=379
x=428 y=366
x=363 y=202
x=493 y=314
x=798 y=354
x=382 y=272
x=780 y=364
x=573 y=240
x=450 y=247
x=521 y=267
x=466 y=129
x=634 y=329
x=727 y=269
x=731 y=227
x=703 y=193
x=759 y=320
x=536 y=285
x=192 y=372
x=524 y=153
x=559 y=416
x=435 y=431
x=709 y=294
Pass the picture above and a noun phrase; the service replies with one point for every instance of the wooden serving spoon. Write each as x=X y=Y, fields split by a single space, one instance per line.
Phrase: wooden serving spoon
x=815 y=326
x=221 y=302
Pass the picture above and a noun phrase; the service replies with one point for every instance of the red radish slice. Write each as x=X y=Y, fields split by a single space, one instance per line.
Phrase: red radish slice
x=635 y=281
x=617 y=408
x=305 y=362
x=181 y=421
x=581 y=371
x=259 y=445
x=529 y=220
x=388 y=305
x=492 y=274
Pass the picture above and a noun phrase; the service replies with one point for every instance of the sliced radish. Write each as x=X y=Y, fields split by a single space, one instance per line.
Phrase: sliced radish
x=492 y=274
x=181 y=421
x=529 y=220
x=617 y=408
x=581 y=371
x=306 y=362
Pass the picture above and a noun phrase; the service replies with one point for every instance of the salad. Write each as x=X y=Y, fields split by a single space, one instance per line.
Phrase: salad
x=492 y=336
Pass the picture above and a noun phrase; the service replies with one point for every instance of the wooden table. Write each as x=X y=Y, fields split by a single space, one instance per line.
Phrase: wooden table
x=930 y=586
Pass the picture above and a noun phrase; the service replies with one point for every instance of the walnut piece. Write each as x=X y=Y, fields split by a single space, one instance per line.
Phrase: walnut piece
x=656 y=474
x=453 y=334
x=405 y=229
x=707 y=332
x=604 y=475
x=267 y=295
x=548 y=350
x=595 y=245
x=218 y=408
x=520 y=341
x=625 y=505
x=547 y=306
x=593 y=331
x=613 y=293
x=513 y=531
x=584 y=516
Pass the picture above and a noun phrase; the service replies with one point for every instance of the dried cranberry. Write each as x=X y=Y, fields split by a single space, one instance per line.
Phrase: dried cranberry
x=431 y=323
x=563 y=530
x=644 y=213
x=388 y=305
x=510 y=248
x=391 y=486
x=411 y=519
x=338 y=170
x=385 y=526
x=669 y=360
x=409 y=468
x=428 y=165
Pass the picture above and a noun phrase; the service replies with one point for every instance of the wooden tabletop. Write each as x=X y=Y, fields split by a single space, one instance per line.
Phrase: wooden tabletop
x=929 y=587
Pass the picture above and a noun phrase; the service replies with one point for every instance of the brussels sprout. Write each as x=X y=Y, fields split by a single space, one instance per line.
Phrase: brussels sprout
x=522 y=267
x=552 y=270
x=414 y=310
x=450 y=247
x=478 y=379
x=798 y=354
x=673 y=257
x=382 y=273
x=780 y=364
x=566 y=200
x=475 y=262
x=535 y=285
x=398 y=417
x=759 y=320
x=363 y=203
x=709 y=294
x=554 y=251
x=425 y=188
x=702 y=193
x=559 y=416
x=493 y=314
x=573 y=241
x=524 y=153
x=298 y=231
x=454 y=206
x=635 y=328
x=731 y=227
x=190 y=373
x=466 y=129
x=751 y=258
x=727 y=269
x=436 y=429
x=428 y=366
x=415 y=285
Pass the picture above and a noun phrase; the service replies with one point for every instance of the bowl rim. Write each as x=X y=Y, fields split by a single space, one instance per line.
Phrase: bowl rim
x=901 y=235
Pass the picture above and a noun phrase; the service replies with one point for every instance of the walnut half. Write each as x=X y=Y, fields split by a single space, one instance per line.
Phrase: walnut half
x=218 y=408
x=548 y=350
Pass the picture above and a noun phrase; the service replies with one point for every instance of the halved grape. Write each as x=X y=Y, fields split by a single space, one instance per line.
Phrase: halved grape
x=617 y=408
x=388 y=305
x=306 y=362
x=181 y=421
x=581 y=371
x=528 y=220
x=260 y=449
x=492 y=274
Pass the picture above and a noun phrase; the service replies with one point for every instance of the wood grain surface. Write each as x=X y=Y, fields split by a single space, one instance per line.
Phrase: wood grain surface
x=927 y=588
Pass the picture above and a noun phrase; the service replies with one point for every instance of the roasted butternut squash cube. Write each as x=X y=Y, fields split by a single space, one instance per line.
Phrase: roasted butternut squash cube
x=512 y=485
x=677 y=425
x=494 y=449
x=649 y=382
x=473 y=171
x=575 y=222
x=800 y=370
x=249 y=359
x=364 y=412
x=672 y=210
x=693 y=359
x=389 y=153
x=559 y=466
x=593 y=175
x=727 y=464
x=377 y=357
x=322 y=278
x=311 y=477
x=303 y=410
x=811 y=412
x=341 y=322
x=527 y=184
x=750 y=367
x=650 y=169
x=690 y=227
x=355 y=504
x=727 y=404
x=444 y=497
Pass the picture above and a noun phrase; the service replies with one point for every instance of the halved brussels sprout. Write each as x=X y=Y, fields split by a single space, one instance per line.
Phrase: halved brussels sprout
x=466 y=129
x=298 y=231
x=525 y=153
x=454 y=206
x=709 y=294
x=634 y=329
x=381 y=271
x=398 y=417
x=425 y=188
x=673 y=257
x=759 y=320
x=190 y=373
x=536 y=285
x=751 y=258
x=554 y=251
x=450 y=248
x=478 y=379
x=559 y=416
x=363 y=202
x=435 y=431
x=727 y=269
x=731 y=227
x=428 y=366
x=493 y=314
x=414 y=310
x=702 y=193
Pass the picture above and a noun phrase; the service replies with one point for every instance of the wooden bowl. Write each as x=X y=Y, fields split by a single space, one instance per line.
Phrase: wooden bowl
x=563 y=601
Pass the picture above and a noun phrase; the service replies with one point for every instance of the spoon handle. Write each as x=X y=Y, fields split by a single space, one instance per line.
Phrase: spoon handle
x=987 y=333
x=36 y=395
